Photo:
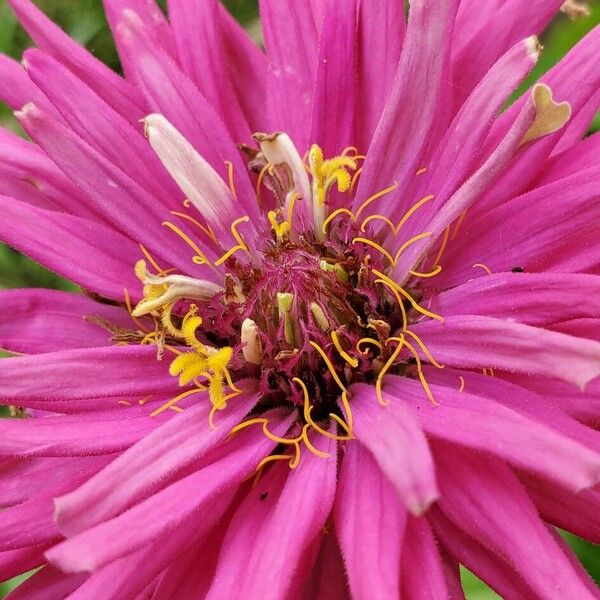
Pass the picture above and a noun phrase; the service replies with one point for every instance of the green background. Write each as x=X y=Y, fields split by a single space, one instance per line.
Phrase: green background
x=84 y=20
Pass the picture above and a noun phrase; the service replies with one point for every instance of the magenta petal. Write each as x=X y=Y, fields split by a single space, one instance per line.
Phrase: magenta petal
x=479 y=423
x=25 y=161
x=492 y=569
x=422 y=568
x=191 y=501
x=334 y=102
x=485 y=499
x=291 y=38
x=394 y=436
x=369 y=523
x=112 y=193
x=404 y=128
x=93 y=255
x=33 y=321
x=202 y=52
x=483 y=342
x=98 y=124
x=49 y=37
x=577 y=513
x=175 y=448
x=111 y=374
x=262 y=535
x=380 y=44
x=511 y=22
x=47 y=583
x=325 y=580
x=531 y=298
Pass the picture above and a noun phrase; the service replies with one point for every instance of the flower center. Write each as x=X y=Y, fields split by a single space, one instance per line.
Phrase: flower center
x=307 y=310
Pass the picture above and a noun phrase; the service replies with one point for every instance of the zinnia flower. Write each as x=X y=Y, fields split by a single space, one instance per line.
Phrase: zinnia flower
x=340 y=324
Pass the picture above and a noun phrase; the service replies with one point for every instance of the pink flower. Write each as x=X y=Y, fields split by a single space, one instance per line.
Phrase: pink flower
x=339 y=359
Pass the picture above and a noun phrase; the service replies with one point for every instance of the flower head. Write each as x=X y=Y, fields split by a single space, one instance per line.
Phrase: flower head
x=340 y=325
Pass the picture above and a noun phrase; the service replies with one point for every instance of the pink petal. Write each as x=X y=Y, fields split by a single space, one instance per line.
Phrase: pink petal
x=108 y=189
x=94 y=121
x=107 y=374
x=196 y=503
x=492 y=569
x=202 y=52
x=509 y=23
x=291 y=39
x=122 y=96
x=577 y=513
x=25 y=161
x=370 y=524
x=170 y=92
x=262 y=535
x=460 y=150
x=487 y=501
x=380 y=44
x=92 y=255
x=175 y=448
x=393 y=435
x=334 y=102
x=422 y=569
x=47 y=583
x=483 y=342
x=484 y=425
x=17 y=89
x=325 y=580
x=403 y=130
x=530 y=298
x=35 y=320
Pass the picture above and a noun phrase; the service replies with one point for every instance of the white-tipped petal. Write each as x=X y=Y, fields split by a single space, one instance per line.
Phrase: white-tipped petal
x=196 y=178
x=252 y=347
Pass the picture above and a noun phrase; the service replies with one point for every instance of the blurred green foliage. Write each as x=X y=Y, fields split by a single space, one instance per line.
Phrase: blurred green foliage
x=86 y=23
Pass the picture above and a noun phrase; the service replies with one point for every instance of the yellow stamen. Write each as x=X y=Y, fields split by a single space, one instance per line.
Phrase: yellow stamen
x=422 y=170
x=241 y=244
x=462 y=383
x=282 y=229
x=411 y=211
x=442 y=246
x=199 y=258
x=409 y=242
x=411 y=300
x=355 y=177
x=205 y=229
x=459 y=222
x=422 y=378
x=383 y=218
x=391 y=360
x=291 y=205
x=374 y=197
x=425 y=349
x=398 y=300
x=367 y=340
x=151 y=260
x=334 y=214
x=436 y=271
x=353 y=362
x=259 y=179
x=329 y=365
x=230 y=178
x=375 y=245
x=174 y=401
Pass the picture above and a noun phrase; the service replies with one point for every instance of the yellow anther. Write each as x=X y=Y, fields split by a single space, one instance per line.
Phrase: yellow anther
x=320 y=317
x=388 y=365
x=241 y=244
x=374 y=197
x=336 y=268
x=281 y=229
x=353 y=362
